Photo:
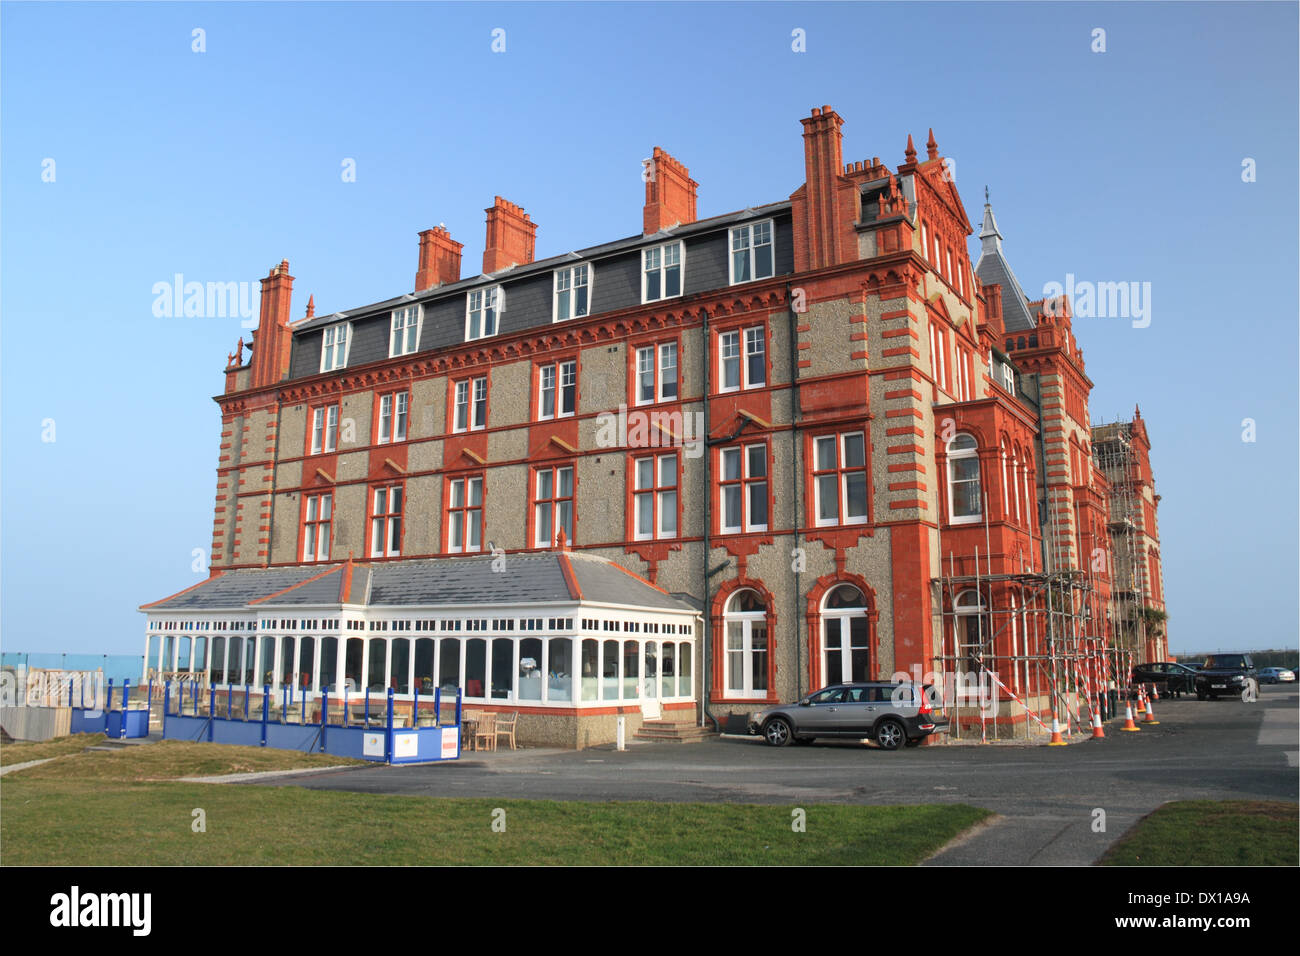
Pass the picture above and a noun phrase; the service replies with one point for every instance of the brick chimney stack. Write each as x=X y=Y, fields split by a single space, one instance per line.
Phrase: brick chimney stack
x=993 y=309
x=511 y=237
x=669 y=194
x=273 y=339
x=824 y=207
x=439 y=259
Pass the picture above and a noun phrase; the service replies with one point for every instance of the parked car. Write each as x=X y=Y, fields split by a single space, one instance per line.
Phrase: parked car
x=1173 y=678
x=893 y=715
x=1224 y=674
x=1276 y=675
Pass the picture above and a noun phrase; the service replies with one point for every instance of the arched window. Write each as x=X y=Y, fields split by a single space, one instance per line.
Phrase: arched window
x=846 y=636
x=964 y=492
x=745 y=626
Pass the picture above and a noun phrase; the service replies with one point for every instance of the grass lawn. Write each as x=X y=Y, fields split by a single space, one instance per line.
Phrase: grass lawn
x=119 y=809
x=22 y=751
x=1211 y=833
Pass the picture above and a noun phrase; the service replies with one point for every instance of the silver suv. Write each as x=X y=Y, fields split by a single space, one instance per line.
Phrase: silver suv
x=893 y=715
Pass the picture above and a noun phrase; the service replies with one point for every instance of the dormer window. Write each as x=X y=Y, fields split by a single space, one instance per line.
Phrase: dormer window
x=405 y=335
x=573 y=292
x=483 y=308
x=661 y=272
x=334 y=347
x=751 y=252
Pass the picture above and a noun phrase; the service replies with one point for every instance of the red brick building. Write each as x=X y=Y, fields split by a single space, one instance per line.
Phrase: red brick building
x=811 y=426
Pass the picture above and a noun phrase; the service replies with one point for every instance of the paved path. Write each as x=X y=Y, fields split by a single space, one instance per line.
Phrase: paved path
x=24 y=765
x=1046 y=796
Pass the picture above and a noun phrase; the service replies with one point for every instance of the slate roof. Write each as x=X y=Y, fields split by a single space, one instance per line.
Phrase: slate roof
x=544 y=265
x=993 y=269
x=527 y=579
x=236 y=589
x=604 y=582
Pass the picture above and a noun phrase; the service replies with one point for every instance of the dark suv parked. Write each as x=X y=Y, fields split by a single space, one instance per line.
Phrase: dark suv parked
x=1224 y=674
x=893 y=715
x=1174 y=678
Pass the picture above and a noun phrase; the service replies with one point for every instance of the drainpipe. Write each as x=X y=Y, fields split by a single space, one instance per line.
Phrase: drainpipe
x=705 y=713
x=800 y=625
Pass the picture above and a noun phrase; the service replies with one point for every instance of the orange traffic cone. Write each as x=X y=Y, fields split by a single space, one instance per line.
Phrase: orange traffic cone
x=1056 y=740
x=1150 y=718
x=1097 y=732
x=1155 y=691
x=1128 y=719
x=1142 y=702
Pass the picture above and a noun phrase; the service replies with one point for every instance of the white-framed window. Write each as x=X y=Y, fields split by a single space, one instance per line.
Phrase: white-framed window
x=317 y=519
x=745 y=627
x=661 y=272
x=573 y=292
x=656 y=373
x=846 y=636
x=654 y=497
x=394 y=413
x=324 y=429
x=469 y=412
x=465 y=514
x=386 y=522
x=404 y=337
x=925 y=240
x=483 y=308
x=334 y=347
x=557 y=390
x=552 y=505
x=742 y=488
x=752 y=252
x=736 y=371
x=1008 y=377
x=964 y=488
x=840 y=478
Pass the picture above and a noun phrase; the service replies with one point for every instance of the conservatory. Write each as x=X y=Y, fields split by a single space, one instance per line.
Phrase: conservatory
x=560 y=635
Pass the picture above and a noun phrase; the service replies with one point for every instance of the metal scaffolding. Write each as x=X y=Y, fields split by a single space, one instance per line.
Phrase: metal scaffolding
x=1047 y=645
x=1112 y=446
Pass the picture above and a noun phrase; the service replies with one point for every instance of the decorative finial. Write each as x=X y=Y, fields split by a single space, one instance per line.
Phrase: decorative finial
x=910 y=153
x=986 y=195
x=931 y=147
x=311 y=306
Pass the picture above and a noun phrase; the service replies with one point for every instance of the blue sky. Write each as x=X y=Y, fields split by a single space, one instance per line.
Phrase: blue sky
x=1117 y=166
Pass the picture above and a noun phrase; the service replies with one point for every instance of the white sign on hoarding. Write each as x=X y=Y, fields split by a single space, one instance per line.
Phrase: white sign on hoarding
x=373 y=745
x=450 y=743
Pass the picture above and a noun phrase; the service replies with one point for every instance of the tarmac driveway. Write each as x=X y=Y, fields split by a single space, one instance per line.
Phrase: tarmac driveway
x=1045 y=796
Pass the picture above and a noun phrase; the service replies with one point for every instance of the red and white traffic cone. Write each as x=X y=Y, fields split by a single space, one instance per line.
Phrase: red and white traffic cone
x=1128 y=719
x=1141 y=702
x=1150 y=718
x=1057 y=740
x=1155 y=691
x=1097 y=732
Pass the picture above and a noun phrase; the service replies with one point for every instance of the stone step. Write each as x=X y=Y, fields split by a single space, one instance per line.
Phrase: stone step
x=664 y=731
